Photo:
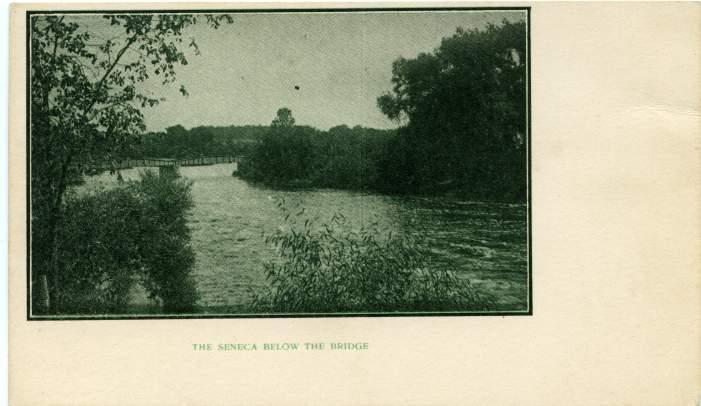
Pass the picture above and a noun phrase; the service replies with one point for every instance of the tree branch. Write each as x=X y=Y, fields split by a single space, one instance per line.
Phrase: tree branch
x=109 y=71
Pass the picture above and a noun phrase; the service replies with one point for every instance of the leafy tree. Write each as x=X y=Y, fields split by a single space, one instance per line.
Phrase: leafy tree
x=283 y=154
x=303 y=156
x=463 y=108
x=85 y=105
x=283 y=119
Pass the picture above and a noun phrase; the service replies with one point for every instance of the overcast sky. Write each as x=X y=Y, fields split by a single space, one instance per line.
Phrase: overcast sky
x=341 y=63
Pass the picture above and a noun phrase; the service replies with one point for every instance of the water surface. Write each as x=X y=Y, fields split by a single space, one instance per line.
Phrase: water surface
x=483 y=242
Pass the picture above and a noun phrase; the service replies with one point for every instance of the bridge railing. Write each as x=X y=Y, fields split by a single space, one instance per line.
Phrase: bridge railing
x=160 y=162
x=191 y=161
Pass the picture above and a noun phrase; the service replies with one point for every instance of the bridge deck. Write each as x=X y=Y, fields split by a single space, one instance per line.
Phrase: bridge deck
x=161 y=162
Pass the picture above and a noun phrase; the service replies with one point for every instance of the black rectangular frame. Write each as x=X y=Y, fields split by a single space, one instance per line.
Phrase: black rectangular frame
x=30 y=317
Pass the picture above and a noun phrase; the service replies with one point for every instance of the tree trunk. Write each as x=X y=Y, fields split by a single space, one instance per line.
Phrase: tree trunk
x=42 y=294
x=55 y=224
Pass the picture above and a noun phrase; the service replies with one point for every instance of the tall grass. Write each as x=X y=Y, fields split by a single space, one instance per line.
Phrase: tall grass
x=329 y=267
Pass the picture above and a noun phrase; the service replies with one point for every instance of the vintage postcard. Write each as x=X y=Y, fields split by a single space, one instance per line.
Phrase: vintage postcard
x=357 y=204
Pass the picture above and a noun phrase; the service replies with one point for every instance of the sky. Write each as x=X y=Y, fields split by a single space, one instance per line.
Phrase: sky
x=340 y=62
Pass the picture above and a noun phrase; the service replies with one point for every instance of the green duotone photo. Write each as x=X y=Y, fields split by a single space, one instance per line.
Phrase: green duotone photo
x=278 y=163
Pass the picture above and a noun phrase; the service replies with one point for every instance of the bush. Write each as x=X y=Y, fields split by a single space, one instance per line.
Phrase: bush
x=99 y=252
x=165 y=250
x=331 y=268
x=111 y=239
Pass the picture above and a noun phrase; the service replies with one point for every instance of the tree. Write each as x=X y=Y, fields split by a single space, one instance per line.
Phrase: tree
x=464 y=112
x=175 y=139
x=85 y=106
x=200 y=142
x=283 y=119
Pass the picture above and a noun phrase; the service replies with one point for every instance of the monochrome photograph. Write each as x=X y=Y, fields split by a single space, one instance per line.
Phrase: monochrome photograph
x=278 y=163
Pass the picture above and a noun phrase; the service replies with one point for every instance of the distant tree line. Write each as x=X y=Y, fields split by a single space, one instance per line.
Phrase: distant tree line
x=462 y=112
x=178 y=142
x=281 y=154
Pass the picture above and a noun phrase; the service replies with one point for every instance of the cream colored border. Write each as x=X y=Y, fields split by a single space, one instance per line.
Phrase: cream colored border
x=616 y=91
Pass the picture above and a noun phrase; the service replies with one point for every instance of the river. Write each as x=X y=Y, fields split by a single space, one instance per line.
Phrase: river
x=484 y=242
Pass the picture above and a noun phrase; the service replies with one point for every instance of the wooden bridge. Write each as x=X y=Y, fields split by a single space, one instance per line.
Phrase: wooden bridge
x=167 y=162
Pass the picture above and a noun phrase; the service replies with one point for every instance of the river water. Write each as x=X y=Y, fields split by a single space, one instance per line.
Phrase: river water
x=484 y=242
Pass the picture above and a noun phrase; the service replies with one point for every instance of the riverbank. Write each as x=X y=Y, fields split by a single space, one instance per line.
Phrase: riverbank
x=439 y=190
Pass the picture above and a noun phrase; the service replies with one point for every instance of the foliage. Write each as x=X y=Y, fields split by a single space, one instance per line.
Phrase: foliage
x=464 y=110
x=332 y=268
x=283 y=157
x=133 y=233
x=97 y=269
x=209 y=141
x=165 y=250
x=304 y=156
x=85 y=103
x=341 y=157
x=283 y=118
x=347 y=157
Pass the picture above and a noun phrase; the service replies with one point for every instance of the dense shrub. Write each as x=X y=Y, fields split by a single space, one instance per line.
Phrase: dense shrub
x=99 y=253
x=111 y=239
x=165 y=251
x=331 y=268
